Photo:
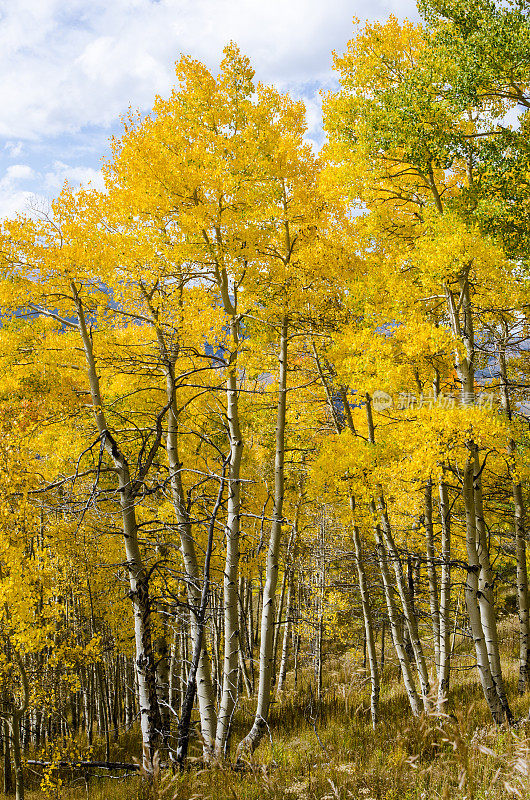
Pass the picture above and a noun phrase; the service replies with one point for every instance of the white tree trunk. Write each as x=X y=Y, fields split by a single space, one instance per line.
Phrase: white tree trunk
x=431 y=572
x=395 y=629
x=266 y=659
x=410 y=617
x=138 y=577
x=231 y=570
x=486 y=596
x=368 y=624
x=205 y=693
x=520 y=534
x=472 y=601
x=445 y=599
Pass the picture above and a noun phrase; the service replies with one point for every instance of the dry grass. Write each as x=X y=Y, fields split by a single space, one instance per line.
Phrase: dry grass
x=332 y=753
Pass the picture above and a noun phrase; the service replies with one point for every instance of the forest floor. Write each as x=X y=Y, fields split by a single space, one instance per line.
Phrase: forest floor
x=333 y=753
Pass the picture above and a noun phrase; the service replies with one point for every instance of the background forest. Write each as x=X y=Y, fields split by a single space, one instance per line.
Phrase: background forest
x=265 y=437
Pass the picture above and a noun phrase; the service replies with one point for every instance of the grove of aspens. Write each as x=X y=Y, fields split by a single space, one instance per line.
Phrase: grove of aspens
x=265 y=452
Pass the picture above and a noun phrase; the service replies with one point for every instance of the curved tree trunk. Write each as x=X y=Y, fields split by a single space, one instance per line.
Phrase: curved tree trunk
x=204 y=685
x=395 y=628
x=138 y=576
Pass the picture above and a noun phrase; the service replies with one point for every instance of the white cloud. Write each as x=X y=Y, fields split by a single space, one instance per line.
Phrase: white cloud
x=70 y=69
x=69 y=65
x=16 y=198
x=75 y=176
x=16 y=173
x=14 y=149
x=13 y=202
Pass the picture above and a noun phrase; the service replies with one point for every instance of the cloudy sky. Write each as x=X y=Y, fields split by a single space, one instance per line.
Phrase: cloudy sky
x=70 y=68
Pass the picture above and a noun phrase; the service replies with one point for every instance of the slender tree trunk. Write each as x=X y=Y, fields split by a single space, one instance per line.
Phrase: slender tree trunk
x=138 y=576
x=368 y=624
x=397 y=637
x=522 y=585
x=520 y=533
x=200 y=614
x=278 y=623
x=460 y=316
x=205 y=694
x=230 y=578
x=472 y=600
x=243 y=638
x=162 y=677
x=104 y=723
x=286 y=633
x=431 y=572
x=252 y=739
x=410 y=617
x=486 y=596
x=17 y=756
x=8 y=779
x=445 y=599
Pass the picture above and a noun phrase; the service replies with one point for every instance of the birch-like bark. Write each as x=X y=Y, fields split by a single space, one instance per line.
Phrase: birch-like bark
x=138 y=577
x=410 y=617
x=13 y=718
x=460 y=317
x=162 y=676
x=361 y=574
x=243 y=639
x=520 y=535
x=368 y=623
x=266 y=659
x=198 y=647
x=472 y=600
x=205 y=693
x=486 y=596
x=395 y=628
x=278 y=622
x=282 y=672
x=431 y=572
x=445 y=599
x=231 y=570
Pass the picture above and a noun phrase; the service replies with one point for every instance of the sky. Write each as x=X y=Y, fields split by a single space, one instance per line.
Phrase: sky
x=70 y=68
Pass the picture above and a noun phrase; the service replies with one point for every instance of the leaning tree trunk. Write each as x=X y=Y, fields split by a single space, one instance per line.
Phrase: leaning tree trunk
x=204 y=686
x=522 y=584
x=138 y=575
x=266 y=659
x=410 y=617
x=395 y=628
x=200 y=615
